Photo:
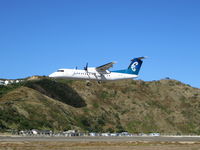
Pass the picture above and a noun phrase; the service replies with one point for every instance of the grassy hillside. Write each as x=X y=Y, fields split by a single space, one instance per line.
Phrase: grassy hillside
x=165 y=106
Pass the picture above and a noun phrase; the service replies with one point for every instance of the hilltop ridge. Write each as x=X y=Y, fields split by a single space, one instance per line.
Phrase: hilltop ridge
x=165 y=106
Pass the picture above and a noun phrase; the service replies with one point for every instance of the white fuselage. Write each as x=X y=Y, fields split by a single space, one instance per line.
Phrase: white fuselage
x=90 y=74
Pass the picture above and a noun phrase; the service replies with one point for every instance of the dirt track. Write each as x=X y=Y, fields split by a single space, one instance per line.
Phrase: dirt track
x=98 y=146
x=24 y=143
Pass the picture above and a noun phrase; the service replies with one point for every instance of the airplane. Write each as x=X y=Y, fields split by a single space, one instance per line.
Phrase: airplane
x=101 y=73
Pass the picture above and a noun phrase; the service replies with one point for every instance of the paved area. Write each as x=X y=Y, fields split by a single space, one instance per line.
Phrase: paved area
x=102 y=139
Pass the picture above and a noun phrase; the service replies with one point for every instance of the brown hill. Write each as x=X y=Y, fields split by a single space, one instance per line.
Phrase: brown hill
x=165 y=106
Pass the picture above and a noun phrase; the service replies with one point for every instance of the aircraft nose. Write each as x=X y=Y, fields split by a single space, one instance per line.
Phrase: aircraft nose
x=52 y=75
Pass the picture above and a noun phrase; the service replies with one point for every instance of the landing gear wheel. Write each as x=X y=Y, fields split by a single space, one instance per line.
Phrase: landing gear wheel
x=88 y=84
x=99 y=82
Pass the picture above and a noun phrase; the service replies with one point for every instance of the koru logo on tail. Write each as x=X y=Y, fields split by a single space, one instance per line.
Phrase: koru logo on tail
x=133 y=66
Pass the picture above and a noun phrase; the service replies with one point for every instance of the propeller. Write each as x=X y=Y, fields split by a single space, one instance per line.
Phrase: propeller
x=86 y=67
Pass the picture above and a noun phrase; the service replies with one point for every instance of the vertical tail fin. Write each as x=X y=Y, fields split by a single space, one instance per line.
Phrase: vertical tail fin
x=135 y=65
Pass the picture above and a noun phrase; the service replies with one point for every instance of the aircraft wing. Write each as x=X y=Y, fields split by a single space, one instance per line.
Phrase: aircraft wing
x=105 y=67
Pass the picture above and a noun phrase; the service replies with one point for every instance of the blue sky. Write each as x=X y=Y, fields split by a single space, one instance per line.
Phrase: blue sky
x=39 y=36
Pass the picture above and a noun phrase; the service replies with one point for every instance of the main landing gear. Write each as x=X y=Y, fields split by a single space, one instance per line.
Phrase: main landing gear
x=99 y=82
x=88 y=83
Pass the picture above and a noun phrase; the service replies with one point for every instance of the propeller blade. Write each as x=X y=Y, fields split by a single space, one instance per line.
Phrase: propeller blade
x=86 y=67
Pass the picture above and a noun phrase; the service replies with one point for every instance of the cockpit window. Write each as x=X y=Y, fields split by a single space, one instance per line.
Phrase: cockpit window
x=60 y=70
